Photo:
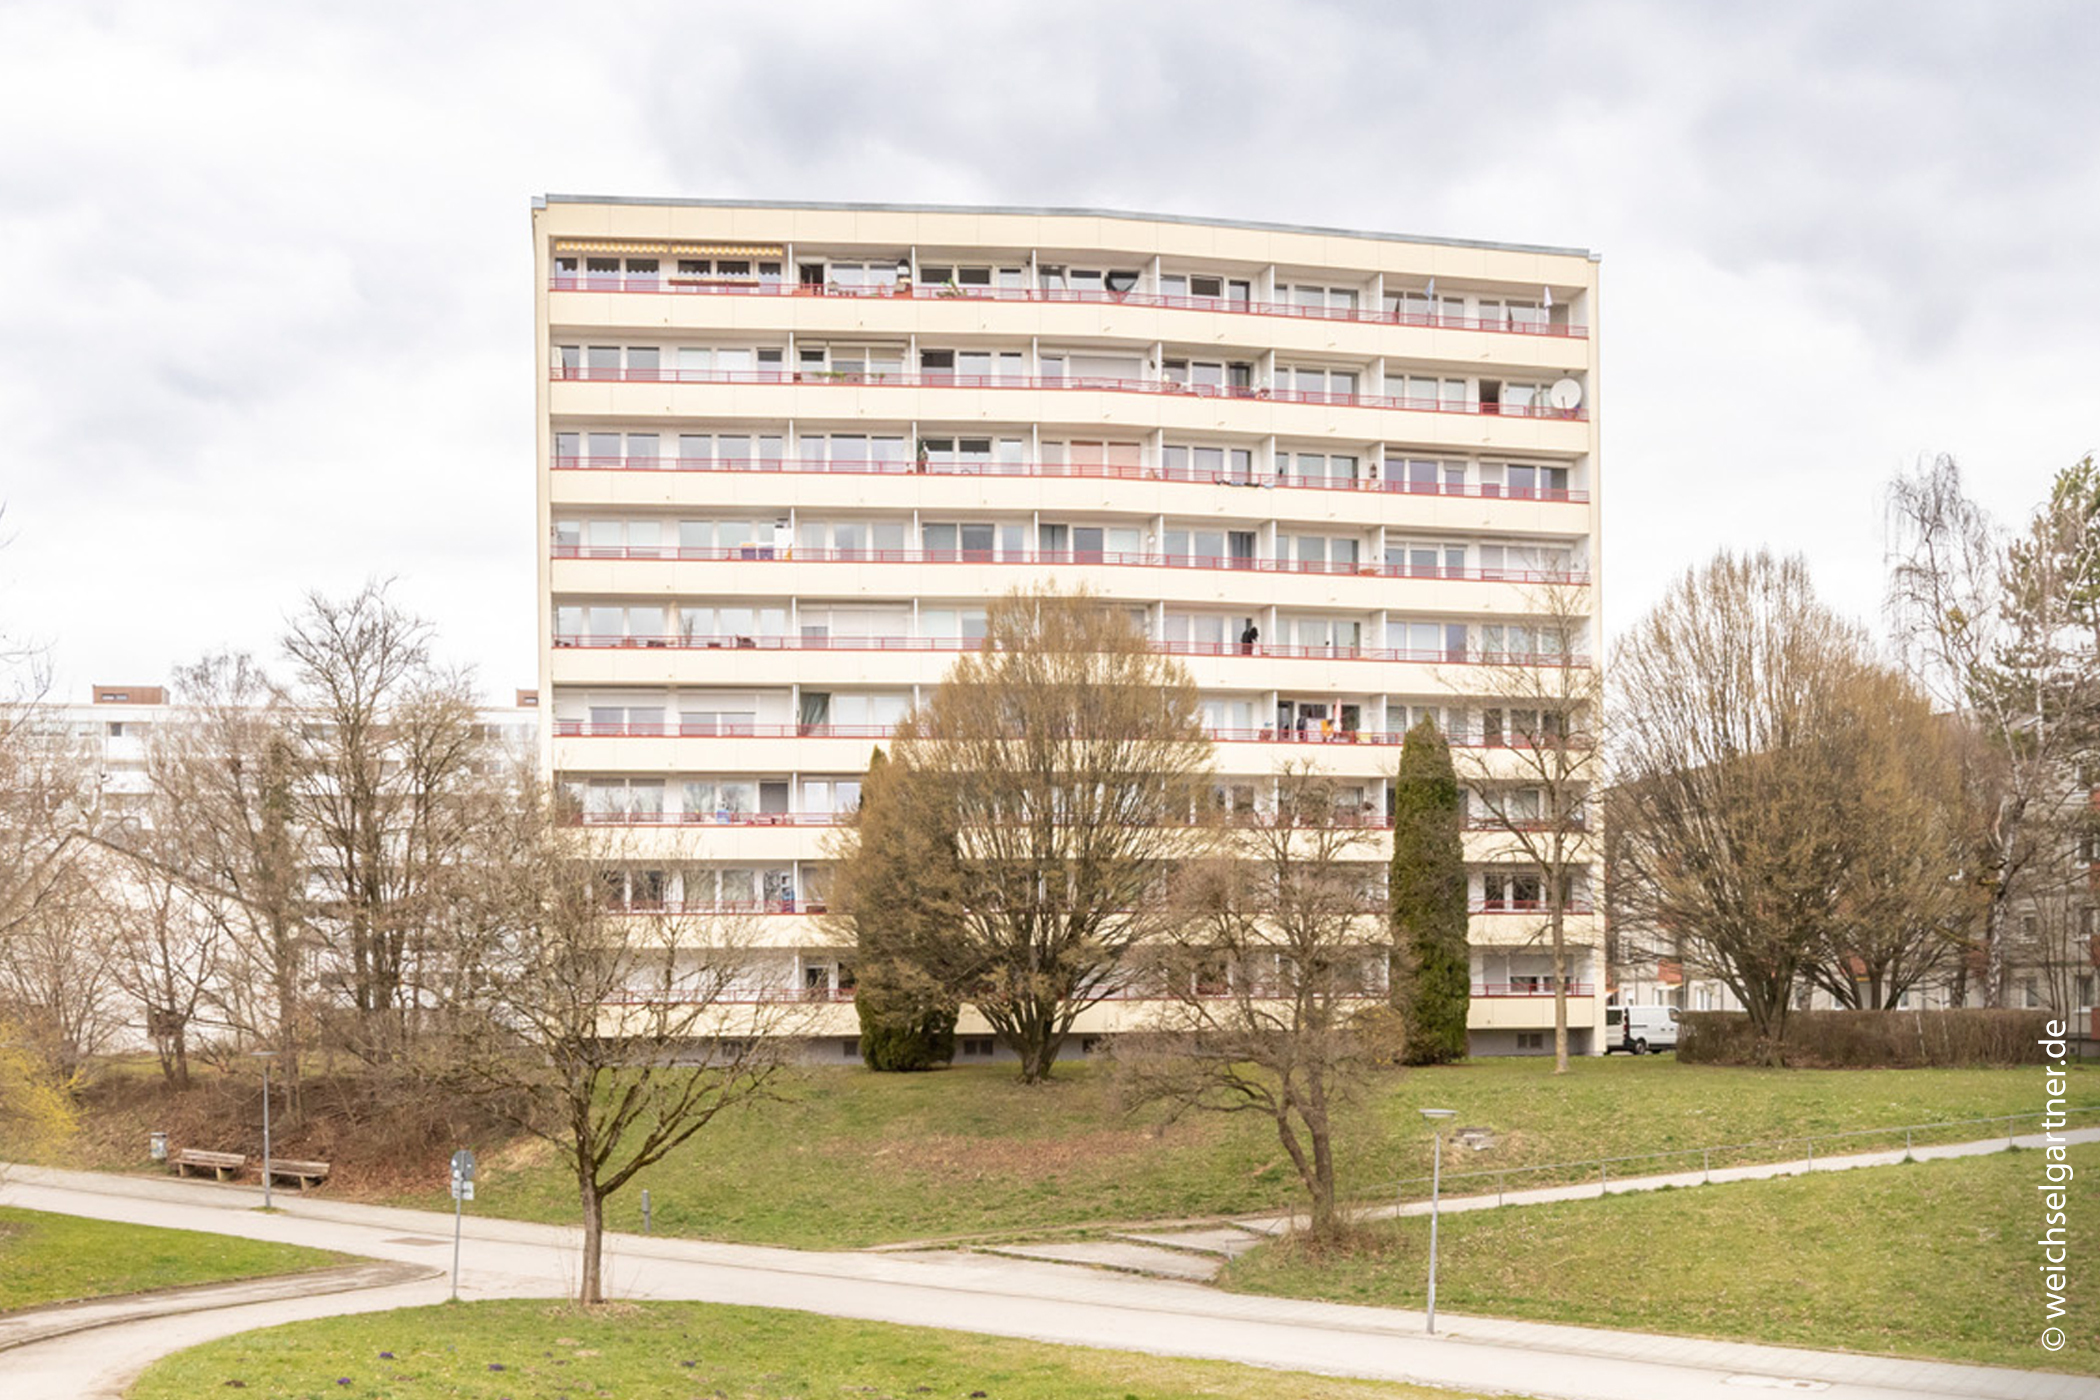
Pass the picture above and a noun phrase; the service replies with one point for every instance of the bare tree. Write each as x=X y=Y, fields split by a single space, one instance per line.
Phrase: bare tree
x=1281 y=947
x=165 y=946
x=1735 y=752
x=1069 y=759
x=56 y=986
x=1907 y=908
x=49 y=808
x=613 y=1035
x=387 y=763
x=1540 y=759
x=221 y=811
x=2002 y=634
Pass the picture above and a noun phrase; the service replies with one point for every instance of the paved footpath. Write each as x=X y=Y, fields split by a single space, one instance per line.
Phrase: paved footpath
x=1198 y=1252
x=1003 y=1297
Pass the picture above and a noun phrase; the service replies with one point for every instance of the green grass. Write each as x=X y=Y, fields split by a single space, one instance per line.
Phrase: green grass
x=1925 y=1259
x=60 y=1258
x=856 y=1158
x=647 y=1351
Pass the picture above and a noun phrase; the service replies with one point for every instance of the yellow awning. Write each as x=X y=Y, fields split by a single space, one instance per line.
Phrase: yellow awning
x=636 y=248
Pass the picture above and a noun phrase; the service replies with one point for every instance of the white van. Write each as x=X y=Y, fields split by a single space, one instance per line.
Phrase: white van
x=1639 y=1029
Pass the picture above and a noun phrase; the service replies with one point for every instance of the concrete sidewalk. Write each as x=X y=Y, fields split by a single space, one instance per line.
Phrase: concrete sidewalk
x=20 y=1329
x=1003 y=1297
x=1198 y=1252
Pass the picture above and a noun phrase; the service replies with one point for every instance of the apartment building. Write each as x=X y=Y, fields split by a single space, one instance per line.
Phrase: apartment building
x=788 y=453
x=114 y=731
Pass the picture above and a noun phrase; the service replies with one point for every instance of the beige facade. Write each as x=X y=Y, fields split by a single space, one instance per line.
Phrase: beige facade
x=787 y=453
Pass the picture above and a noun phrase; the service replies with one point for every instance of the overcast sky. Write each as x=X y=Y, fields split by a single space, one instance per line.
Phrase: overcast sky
x=268 y=302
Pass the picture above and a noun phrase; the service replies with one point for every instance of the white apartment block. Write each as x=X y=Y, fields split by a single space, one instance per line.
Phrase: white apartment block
x=114 y=732
x=787 y=453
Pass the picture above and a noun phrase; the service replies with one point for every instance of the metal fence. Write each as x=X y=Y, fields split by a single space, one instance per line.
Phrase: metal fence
x=1701 y=1159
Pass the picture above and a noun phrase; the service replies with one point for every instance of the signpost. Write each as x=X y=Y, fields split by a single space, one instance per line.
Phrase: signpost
x=462 y=1191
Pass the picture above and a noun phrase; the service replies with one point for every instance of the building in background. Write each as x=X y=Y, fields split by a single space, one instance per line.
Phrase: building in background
x=788 y=454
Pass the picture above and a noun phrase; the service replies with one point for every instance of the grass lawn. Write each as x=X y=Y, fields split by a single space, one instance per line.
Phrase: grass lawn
x=59 y=1258
x=645 y=1351
x=1926 y=1259
x=855 y=1158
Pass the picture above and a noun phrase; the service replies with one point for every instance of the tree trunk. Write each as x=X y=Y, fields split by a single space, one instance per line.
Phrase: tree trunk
x=1560 y=986
x=590 y=1287
x=1326 y=1224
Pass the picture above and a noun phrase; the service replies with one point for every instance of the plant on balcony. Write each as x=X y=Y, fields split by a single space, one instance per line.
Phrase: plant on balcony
x=1430 y=981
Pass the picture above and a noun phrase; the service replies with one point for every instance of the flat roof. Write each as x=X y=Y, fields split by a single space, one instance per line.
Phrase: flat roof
x=541 y=201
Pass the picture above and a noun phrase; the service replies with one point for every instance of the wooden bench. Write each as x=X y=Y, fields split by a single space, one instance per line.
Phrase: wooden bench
x=298 y=1173
x=225 y=1166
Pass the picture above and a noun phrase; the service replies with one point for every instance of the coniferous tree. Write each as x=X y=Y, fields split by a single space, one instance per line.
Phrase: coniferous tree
x=894 y=891
x=1431 y=982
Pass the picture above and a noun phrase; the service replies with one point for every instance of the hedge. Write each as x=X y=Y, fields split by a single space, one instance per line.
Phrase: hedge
x=1868 y=1039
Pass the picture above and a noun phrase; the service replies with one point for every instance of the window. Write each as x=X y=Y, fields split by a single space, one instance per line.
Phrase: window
x=968 y=367
x=1216 y=377
x=951 y=624
x=727 y=270
x=1316 y=468
x=732 y=450
x=1204 y=288
x=1212 y=634
x=1123 y=459
x=1313 y=298
x=1199 y=548
x=1422 y=307
x=1317 y=554
x=848 y=362
x=1091 y=369
x=852 y=452
x=1425 y=477
x=1086 y=283
x=956 y=280
x=1426 y=558
x=735 y=626
x=1089 y=544
x=1416 y=391
x=851 y=539
x=972 y=456
x=831 y=796
x=1527 y=482
x=1226 y=466
x=1511 y=314
x=1335 y=636
x=877 y=278
x=1531 y=1040
x=1427 y=641
x=976 y=1047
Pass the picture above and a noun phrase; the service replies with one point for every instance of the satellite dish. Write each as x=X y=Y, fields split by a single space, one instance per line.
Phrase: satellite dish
x=1565 y=394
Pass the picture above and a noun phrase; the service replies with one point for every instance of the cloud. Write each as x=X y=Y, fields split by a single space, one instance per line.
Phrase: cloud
x=269 y=302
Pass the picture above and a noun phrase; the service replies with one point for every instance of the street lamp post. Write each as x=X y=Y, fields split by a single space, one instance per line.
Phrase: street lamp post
x=1436 y=1117
x=265 y=1056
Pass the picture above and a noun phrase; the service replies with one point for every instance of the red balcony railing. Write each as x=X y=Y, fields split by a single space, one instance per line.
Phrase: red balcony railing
x=728 y=286
x=715 y=818
x=1110 y=471
x=1525 y=906
x=1272 y=650
x=1095 y=383
x=1135 y=559
x=716 y=729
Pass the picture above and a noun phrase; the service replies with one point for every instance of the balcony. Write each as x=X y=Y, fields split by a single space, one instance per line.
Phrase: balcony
x=1266 y=650
x=730 y=286
x=1530 y=987
x=1091 y=383
x=1100 y=471
x=1266 y=734
x=1126 y=559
